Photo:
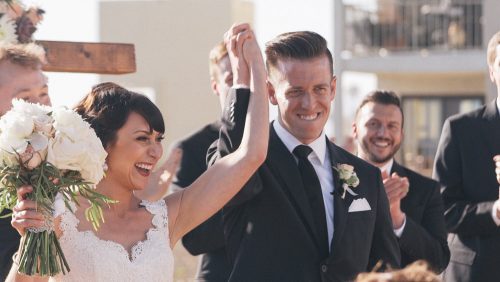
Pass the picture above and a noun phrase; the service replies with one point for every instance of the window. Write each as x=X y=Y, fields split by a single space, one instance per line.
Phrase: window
x=424 y=119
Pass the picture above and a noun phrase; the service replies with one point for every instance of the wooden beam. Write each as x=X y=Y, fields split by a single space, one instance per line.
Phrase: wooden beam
x=101 y=58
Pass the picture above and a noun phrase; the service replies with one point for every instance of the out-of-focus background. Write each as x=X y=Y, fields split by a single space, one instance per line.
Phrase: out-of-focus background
x=431 y=52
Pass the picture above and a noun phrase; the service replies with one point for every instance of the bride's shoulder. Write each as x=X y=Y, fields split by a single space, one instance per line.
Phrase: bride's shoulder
x=155 y=207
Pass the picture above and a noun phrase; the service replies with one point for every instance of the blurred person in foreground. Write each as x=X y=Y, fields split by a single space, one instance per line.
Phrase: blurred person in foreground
x=417 y=271
x=415 y=201
x=464 y=168
x=21 y=77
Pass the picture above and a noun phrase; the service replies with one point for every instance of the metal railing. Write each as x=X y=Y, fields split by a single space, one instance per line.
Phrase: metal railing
x=381 y=26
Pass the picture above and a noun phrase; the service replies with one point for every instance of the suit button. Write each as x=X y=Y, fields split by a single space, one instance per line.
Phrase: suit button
x=324 y=268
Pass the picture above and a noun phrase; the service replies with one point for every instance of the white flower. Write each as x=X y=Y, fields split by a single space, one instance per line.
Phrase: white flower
x=42 y=120
x=34 y=110
x=348 y=177
x=70 y=123
x=7 y=30
x=75 y=146
x=19 y=125
x=15 y=130
x=345 y=171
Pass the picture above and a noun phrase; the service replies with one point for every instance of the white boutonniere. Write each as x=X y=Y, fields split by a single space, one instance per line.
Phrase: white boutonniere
x=348 y=178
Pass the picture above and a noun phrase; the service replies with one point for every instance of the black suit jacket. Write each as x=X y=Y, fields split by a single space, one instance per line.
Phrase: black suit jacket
x=268 y=224
x=464 y=167
x=424 y=235
x=207 y=239
x=9 y=243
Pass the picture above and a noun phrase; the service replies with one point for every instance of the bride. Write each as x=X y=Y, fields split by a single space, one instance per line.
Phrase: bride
x=135 y=242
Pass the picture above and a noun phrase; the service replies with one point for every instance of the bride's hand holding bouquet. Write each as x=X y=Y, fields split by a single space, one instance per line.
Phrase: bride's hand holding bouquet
x=50 y=153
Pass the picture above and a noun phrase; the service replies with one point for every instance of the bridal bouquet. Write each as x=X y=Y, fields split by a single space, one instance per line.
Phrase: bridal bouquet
x=56 y=152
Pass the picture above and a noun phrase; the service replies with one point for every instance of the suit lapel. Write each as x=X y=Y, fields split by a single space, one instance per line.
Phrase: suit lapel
x=340 y=206
x=283 y=164
x=491 y=128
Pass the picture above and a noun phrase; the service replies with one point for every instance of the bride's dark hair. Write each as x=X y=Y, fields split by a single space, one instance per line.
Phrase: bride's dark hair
x=108 y=106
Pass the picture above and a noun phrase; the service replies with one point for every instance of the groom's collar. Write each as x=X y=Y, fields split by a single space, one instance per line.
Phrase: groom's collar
x=318 y=146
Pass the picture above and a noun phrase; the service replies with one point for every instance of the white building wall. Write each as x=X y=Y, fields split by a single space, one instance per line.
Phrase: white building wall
x=172 y=41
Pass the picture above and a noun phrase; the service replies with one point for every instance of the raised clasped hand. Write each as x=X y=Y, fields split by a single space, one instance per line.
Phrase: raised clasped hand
x=244 y=52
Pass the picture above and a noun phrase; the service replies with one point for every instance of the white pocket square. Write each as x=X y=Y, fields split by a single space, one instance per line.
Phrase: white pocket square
x=359 y=205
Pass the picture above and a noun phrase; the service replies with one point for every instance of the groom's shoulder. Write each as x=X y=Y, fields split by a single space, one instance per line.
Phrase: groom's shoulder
x=467 y=117
x=353 y=160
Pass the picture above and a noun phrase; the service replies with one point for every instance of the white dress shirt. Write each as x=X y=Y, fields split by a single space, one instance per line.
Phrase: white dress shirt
x=320 y=160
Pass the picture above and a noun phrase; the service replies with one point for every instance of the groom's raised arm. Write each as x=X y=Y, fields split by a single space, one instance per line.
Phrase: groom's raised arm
x=231 y=132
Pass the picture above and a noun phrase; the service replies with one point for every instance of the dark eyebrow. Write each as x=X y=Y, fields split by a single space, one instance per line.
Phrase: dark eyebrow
x=143 y=131
x=322 y=85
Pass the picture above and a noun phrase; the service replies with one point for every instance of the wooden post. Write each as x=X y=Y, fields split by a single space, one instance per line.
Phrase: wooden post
x=100 y=58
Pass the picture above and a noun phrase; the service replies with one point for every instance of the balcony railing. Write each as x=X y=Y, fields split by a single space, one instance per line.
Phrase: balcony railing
x=382 y=26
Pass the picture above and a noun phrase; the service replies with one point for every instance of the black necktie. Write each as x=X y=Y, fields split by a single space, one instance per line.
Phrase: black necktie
x=312 y=187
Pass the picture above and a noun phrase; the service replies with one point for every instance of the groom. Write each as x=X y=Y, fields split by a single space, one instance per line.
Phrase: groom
x=294 y=220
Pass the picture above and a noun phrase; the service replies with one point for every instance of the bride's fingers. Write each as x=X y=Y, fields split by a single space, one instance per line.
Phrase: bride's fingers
x=28 y=215
x=21 y=224
x=25 y=205
x=23 y=191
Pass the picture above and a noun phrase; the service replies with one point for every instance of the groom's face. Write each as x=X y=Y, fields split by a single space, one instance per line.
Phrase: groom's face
x=303 y=90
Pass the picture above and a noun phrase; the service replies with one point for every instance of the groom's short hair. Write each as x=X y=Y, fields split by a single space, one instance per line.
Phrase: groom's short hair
x=300 y=45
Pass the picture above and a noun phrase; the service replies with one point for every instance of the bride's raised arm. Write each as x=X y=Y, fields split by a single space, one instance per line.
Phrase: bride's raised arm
x=213 y=189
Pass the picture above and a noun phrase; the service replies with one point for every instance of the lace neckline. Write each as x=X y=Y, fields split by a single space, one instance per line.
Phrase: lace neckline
x=158 y=221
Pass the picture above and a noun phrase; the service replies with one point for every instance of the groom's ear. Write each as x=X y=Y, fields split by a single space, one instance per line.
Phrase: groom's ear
x=272 y=93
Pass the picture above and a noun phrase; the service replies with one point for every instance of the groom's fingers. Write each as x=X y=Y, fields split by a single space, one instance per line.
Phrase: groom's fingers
x=237 y=28
x=240 y=40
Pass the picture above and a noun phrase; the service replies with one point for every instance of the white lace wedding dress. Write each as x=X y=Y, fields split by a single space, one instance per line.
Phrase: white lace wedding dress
x=93 y=259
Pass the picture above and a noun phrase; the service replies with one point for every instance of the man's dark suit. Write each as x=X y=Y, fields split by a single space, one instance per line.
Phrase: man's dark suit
x=9 y=243
x=424 y=235
x=465 y=169
x=268 y=224
x=208 y=238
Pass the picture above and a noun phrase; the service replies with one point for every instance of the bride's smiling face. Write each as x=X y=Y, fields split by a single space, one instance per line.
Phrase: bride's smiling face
x=134 y=153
